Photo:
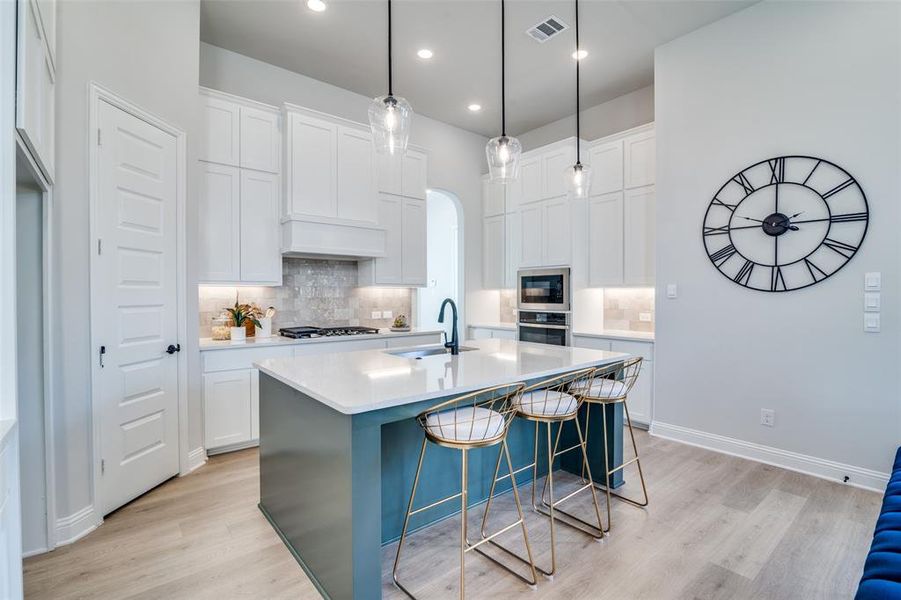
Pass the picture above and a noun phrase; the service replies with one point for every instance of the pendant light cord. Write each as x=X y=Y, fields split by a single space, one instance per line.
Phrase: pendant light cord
x=578 y=118
x=503 y=76
x=390 y=87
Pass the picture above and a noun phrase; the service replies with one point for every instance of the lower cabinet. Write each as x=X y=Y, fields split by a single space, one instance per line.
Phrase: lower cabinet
x=484 y=333
x=641 y=397
x=227 y=408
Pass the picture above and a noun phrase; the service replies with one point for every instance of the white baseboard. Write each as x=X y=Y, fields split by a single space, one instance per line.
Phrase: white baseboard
x=31 y=553
x=76 y=526
x=793 y=461
x=196 y=459
x=233 y=447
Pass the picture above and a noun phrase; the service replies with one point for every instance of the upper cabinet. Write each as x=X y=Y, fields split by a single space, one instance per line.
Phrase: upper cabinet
x=36 y=80
x=240 y=191
x=312 y=166
x=403 y=175
x=404 y=263
x=640 y=159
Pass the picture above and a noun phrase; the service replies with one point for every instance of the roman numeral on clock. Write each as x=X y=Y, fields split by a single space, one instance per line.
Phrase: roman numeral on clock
x=816 y=273
x=777 y=170
x=724 y=230
x=719 y=202
x=744 y=273
x=838 y=188
x=777 y=279
x=846 y=250
x=743 y=181
x=722 y=255
x=848 y=218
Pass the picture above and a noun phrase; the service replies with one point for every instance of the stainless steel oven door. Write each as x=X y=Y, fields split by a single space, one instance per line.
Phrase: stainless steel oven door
x=544 y=289
x=556 y=335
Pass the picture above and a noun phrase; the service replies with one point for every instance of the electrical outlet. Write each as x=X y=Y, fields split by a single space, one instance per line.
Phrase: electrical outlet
x=387 y=314
x=767 y=417
x=376 y=314
x=645 y=317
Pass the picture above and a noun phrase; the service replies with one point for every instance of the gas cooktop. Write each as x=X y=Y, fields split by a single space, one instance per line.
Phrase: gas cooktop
x=309 y=331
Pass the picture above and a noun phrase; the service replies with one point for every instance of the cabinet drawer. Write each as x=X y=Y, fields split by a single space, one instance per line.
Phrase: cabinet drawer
x=332 y=347
x=643 y=349
x=591 y=342
x=241 y=358
x=413 y=340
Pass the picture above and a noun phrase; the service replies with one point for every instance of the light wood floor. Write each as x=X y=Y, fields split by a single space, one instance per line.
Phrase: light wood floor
x=718 y=527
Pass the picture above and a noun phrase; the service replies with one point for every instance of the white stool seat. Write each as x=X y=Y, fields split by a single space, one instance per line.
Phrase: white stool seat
x=468 y=424
x=546 y=403
x=600 y=387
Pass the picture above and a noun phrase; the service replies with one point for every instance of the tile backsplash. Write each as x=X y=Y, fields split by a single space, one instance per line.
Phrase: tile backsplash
x=623 y=308
x=313 y=292
x=508 y=306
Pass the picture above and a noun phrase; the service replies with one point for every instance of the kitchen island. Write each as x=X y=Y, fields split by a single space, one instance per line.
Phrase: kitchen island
x=339 y=443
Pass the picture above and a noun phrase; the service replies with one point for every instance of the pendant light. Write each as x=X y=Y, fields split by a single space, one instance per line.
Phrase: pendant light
x=578 y=177
x=503 y=152
x=390 y=116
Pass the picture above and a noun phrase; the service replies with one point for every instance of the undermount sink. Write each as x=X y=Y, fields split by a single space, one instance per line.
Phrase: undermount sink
x=418 y=353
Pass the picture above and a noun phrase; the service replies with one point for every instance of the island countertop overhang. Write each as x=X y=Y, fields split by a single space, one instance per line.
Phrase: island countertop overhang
x=369 y=380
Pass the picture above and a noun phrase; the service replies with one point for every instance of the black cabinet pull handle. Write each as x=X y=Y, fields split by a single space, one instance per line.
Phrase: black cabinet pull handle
x=173 y=349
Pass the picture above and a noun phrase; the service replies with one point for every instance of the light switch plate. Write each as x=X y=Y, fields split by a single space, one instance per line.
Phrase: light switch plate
x=871 y=301
x=871 y=322
x=387 y=314
x=376 y=314
x=872 y=282
x=671 y=290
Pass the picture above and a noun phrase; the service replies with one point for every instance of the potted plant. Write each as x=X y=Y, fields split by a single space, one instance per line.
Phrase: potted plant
x=242 y=316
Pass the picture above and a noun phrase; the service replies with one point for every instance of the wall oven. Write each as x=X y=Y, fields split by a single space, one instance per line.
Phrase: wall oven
x=544 y=328
x=544 y=290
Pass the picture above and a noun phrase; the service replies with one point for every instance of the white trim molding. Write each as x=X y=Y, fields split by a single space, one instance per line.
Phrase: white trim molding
x=77 y=525
x=196 y=459
x=793 y=461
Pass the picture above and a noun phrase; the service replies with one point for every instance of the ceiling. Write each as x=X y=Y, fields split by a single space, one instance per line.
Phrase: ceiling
x=345 y=45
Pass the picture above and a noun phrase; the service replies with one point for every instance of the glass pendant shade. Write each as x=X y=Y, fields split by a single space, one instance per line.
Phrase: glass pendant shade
x=503 y=154
x=389 y=119
x=578 y=180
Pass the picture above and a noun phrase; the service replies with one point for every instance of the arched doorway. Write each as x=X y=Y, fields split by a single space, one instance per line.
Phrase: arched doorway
x=444 y=214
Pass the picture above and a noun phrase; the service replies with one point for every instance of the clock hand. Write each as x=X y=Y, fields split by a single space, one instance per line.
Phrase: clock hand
x=750 y=219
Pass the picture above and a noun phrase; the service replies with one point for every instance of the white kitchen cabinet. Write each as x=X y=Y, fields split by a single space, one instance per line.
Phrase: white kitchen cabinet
x=404 y=263
x=486 y=332
x=261 y=259
x=221 y=139
x=312 y=166
x=356 y=184
x=605 y=240
x=260 y=140
x=557 y=235
x=414 y=174
x=493 y=252
x=529 y=180
x=35 y=86
x=219 y=233
x=553 y=165
x=531 y=231
x=414 y=245
x=639 y=234
x=513 y=260
x=640 y=159
x=606 y=161
x=227 y=408
x=390 y=173
x=492 y=198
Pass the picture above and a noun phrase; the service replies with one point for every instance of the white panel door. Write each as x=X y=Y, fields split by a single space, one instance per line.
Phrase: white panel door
x=261 y=259
x=220 y=142
x=493 y=251
x=390 y=269
x=414 y=174
x=640 y=158
x=531 y=231
x=605 y=240
x=557 y=236
x=530 y=180
x=227 y=408
x=553 y=164
x=134 y=307
x=639 y=234
x=414 y=246
x=219 y=234
x=34 y=88
x=357 y=181
x=260 y=140
x=606 y=162
x=312 y=167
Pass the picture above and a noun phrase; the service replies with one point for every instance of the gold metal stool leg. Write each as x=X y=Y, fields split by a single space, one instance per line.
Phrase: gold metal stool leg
x=410 y=511
x=464 y=486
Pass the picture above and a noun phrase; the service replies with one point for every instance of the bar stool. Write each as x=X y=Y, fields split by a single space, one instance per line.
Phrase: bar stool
x=611 y=385
x=475 y=420
x=549 y=402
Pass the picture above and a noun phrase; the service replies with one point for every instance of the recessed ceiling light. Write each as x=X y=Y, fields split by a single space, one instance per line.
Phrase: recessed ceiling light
x=474 y=107
x=580 y=54
x=424 y=53
x=316 y=5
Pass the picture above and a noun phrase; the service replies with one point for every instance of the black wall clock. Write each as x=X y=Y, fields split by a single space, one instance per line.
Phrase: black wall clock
x=785 y=223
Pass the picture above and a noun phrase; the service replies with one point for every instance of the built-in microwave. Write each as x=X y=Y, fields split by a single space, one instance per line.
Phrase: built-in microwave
x=544 y=289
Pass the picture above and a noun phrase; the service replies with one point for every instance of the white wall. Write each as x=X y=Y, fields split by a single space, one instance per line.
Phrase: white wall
x=147 y=52
x=624 y=112
x=815 y=78
x=442 y=262
x=456 y=157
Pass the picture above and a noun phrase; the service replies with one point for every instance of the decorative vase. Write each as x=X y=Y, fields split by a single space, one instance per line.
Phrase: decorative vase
x=221 y=328
x=238 y=334
x=265 y=328
x=248 y=327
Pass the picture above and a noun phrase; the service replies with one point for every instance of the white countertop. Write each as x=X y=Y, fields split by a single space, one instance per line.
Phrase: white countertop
x=619 y=334
x=278 y=340
x=497 y=325
x=367 y=380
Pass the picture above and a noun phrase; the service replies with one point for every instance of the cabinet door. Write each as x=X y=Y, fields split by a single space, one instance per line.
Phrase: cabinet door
x=530 y=180
x=492 y=198
x=254 y=404
x=606 y=162
x=390 y=175
x=641 y=397
x=414 y=242
x=557 y=236
x=219 y=142
x=513 y=250
x=356 y=182
x=312 y=166
x=493 y=251
x=531 y=231
x=553 y=164
x=226 y=408
x=34 y=88
x=605 y=240
x=414 y=174
x=260 y=140
x=639 y=233
x=477 y=333
x=640 y=159
x=261 y=260
x=219 y=215
x=47 y=11
x=389 y=270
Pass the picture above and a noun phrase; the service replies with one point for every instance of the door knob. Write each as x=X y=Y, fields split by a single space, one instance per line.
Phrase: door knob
x=173 y=349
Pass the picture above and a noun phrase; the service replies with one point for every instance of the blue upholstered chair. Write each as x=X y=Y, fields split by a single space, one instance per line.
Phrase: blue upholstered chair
x=882 y=572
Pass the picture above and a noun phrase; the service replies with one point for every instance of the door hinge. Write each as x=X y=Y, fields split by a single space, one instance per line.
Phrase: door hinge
x=102 y=466
x=99 y=137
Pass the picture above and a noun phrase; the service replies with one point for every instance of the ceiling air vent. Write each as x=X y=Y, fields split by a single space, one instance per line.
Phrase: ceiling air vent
x=547 y=29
